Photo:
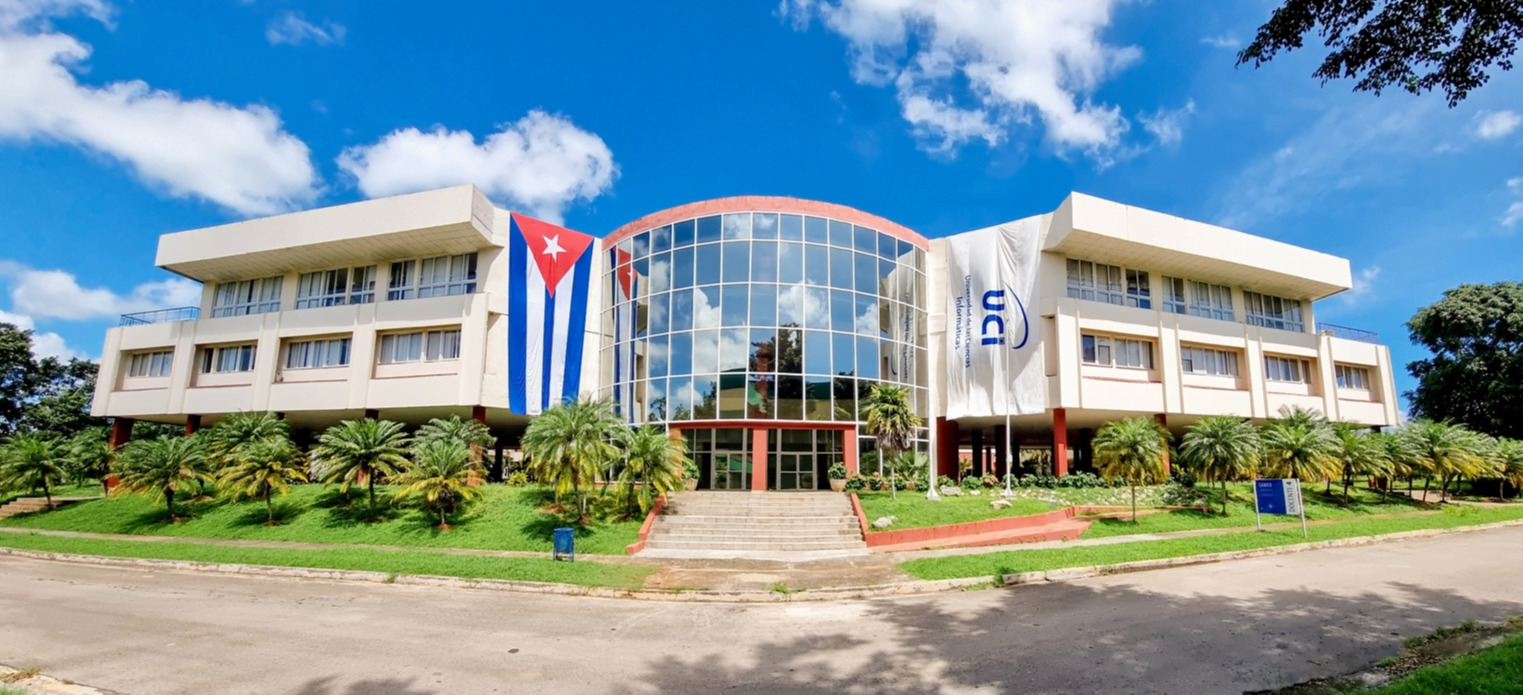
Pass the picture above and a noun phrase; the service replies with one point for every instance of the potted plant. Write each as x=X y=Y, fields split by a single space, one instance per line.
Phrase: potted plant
x=690 y=476
x=837 y=475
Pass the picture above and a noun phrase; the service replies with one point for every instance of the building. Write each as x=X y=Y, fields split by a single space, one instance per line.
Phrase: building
x=752 y=325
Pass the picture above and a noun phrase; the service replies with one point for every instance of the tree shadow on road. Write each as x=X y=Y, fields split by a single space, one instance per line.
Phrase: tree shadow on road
x=1078 y=637
x=380 y=686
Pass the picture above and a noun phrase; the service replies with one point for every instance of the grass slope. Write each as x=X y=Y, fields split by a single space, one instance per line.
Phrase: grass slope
x=505 y=518
x=913 y=510
x=393 y=562
x=1016 y=561
x=1496 y=670
x=88 y=490
x=1319 y=506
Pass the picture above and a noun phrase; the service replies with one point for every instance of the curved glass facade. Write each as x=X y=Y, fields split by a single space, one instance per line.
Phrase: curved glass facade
x=761 y=316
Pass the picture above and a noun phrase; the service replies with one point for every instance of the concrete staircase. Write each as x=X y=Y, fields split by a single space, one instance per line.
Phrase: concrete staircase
x=783 y=526
x=30 y=505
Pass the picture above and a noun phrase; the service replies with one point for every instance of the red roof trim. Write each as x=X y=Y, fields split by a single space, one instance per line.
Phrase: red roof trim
x=764 y=203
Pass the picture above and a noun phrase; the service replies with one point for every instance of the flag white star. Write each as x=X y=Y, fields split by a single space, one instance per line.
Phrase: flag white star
x=553 y=247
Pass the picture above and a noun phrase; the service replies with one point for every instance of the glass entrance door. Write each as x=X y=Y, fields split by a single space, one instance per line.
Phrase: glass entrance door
x=732 y=471
x=795 y=471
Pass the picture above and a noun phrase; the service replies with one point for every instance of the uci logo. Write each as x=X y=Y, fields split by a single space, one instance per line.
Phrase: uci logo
x=992 y=332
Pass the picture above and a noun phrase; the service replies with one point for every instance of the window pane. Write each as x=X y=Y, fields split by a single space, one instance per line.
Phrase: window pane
x=865 y=240
x=790 y=262
x=682 y=268
x=817 y=398
x=763 y=350
x=682 y=234
x=656 y=356
x=866 y=320
x=706 y=307
x=817 y=265
x=867 y=358
x=682 y=310
x=763 y=261
x=845 y=399
x=708 y=264
x=843 y=354
x=817 y=352
x=790 y=351
x=737 y=261
x=817 y=308
x=866 y=273
x=791 y=227
x=841 y=317
x=763 y=305
x=681 y=354
x=840 y=269
x=764 y=225
x=705 y=352
x=705 y=397
x=735 y=304
x=1089 y=349
x=790 y=397
x=658 y=313
x=816 y=230
x=840 y=234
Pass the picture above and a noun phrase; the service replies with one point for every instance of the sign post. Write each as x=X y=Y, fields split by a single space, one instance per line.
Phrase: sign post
x=1279 y=496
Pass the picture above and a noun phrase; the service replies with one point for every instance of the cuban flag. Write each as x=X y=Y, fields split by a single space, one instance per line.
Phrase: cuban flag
x=549 y=269
x=625 y=289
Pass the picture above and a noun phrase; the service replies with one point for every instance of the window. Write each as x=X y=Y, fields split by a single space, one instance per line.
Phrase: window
x=1137 y=292
x=362 y=285
x=399 y=286
x=1173 y=295
x=426 y=346
x=1099 y=350
x=447 y=275
x=1272 y=312
x=247 y=297
x=150 y=364
x=1211 y=301
x=1094 y=281
x=230 y=358
x=1194 y=360
x=315 y=354
x=1352 y=377
x=1287 y=369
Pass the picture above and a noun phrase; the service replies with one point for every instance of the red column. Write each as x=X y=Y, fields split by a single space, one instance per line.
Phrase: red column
x=121 y=433
x=479 y=414
x=946 y=462
x=759 y=459
x=1059 y=441
x=192 y=424
x=849 y=450
x=1163 y=421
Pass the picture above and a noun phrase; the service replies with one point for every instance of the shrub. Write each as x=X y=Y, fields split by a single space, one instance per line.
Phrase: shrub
x=991 y=481
x=518 y=479
x=1184 y=476
x=856 y=483
x=1176 y=495
x=971 y=483
x=945 y=481
x=837 y=471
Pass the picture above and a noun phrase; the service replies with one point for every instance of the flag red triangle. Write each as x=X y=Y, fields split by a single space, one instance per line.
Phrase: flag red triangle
x=555 y=249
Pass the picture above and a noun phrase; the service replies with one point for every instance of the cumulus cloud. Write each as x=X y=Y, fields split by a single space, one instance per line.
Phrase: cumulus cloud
x=1491 y=125
x=58 y=294
x=237 y=157
x=540 y=164
x=1167 y=125
x=966 y=70
x=44 y=344
x=1514 y=213
x=293 y=28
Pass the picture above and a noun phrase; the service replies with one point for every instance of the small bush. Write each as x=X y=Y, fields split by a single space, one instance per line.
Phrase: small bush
x=856 y=483
x=517 y=479
x=1177 y=495
x=971 y=483
x=991 y=481
x=945 y=481
x=837 y=471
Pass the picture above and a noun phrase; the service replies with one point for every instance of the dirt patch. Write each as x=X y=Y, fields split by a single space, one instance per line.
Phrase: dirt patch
x=1416 y=653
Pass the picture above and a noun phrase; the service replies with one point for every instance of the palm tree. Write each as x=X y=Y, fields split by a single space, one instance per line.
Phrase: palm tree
x=441 y=472
x=1221 y=448
x=356 y=450
x=1300 y=444
x=262 y=467
x=1399 y=454
x=162 y=466
x=238 y=429
x=891 y=421
x=1510 y=455
x=1360 y=452
x=31 y=462
x=569 y=444
x=89 y=456
x=1132 y=449
x=653 y=467
x=472 y=434
x=1442 y=449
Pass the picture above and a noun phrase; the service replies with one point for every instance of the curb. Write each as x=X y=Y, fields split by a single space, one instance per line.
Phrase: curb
x=907 y=588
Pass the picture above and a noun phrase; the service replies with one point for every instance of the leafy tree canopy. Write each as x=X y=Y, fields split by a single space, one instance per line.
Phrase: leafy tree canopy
x=1416 y=45
x=42 y=394
x=1475 y=375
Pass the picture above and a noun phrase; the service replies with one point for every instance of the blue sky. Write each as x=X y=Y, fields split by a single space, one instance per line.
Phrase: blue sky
x=123 y=121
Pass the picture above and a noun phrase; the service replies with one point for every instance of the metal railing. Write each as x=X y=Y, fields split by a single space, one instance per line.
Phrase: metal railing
x=143 y=318
x=1347 y=333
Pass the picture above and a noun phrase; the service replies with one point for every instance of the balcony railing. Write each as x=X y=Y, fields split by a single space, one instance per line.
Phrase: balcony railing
x=143 y=318
x=1347 y=333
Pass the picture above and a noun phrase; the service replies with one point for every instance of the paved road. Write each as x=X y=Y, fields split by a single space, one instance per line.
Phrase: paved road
x=1214 y=629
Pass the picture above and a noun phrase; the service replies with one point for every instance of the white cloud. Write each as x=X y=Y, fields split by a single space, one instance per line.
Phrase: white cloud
x=1514 y=212
x=44 y=344
x=541 y=164
x=57 y=294
x=967 y=70
x=1222 y=41
x=294 y=29
x=1496 y=124
x=1364 y=285
x=239 y=158
x=1166 y=125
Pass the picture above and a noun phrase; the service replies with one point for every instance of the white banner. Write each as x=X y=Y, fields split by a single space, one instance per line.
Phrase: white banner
x=994 y=364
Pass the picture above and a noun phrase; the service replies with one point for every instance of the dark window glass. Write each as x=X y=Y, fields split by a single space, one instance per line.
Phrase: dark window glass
x=864 y=239
x=846 y=399
x=843 y=354
x=682 y=267
x=763 y=356
x=660 y=239
x=888 y=247
x=867 y=273
x=709 y=229
x=790 y=398
x=682 y=354
x=682 y=234
x=642 y=245
x=761 y=402
x=790 y=351
x=817 y=398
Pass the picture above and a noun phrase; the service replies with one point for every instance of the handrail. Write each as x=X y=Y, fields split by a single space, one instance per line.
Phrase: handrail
x=1347 y=333
x=143 y=318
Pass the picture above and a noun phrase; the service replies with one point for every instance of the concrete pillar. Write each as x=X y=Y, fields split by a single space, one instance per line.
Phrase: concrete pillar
x=121 y=433
x=372 y=414
x=849 y=450
x=947 y=446
x=1163 y=421
x=1084 y=455
x=1001 y=452
x=192 y=424
x=978 y=454
x=759 y=459
x=1059 y=441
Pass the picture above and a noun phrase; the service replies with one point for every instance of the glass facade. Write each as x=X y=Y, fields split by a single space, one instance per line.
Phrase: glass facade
x=761 y=316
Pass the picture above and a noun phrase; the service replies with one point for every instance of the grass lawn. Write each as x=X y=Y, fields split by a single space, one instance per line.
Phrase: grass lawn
x=88 y=490
x=505 y=518
x=913 y=510
x=394 y=562
x=1319 y=506
x=1015 y=561
x=1496 y=670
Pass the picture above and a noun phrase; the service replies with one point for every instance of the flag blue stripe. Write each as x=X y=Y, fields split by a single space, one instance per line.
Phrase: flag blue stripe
x=616 y=292
x=549 y=353
x=518 y=309
x=577 y=331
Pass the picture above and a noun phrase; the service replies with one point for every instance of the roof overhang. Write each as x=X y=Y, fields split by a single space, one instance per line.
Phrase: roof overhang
x=449 y=220
x=1089 y=227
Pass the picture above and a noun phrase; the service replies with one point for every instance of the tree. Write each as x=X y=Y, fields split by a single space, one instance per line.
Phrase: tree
x=440 y=472
x=569 y=444
x=474 y=435
x=1131 y=449
x=88 y=456
x=1510 y=456
x=360 y=450
x=1300 y=444
x=241 y=429
x=258 y=469
x=1441 y=449
x=654 y=461
x=1475 y=376
x=163 y=466
x=892 y=422
x=1221 y=448
x=32 y=462
x=42 y=394
x=1360 y=452
x=1417 y=45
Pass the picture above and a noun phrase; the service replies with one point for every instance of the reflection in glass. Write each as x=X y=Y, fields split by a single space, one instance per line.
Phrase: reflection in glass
x=763 y=350
x=737 y=261
x=790 y=397
x=682 y=267
x=790 y=263
x=682 y=354
x=737 y=225
x=682 y=234
x=867 y=358
x=764 y=305
x=655 y=356
x=865 y=240
x=841 y=317
x=764 y=261
x=840 y=234
x=706 y=307
x=705 y=397
x=705 y=352
x=817 y=265
x=734 y=350
x=843 y=354
x=642 y=245
x=732 y=396
x=655 y=399
x=708 y=265
x=817 y=352
x=682 y=310
x=840 y=269
x=888 y=247
x=866 y=321
x=790 y=305
x=764 y=225
x=790 y=350
x=867 y=275
x=708 y=229
x=791 y=227
x=679 y=399
x=846 y=398
x=735 y=304
x=660 y=239
x=817 y=398
x=760 y=401
x=817 y=308
x=815 y=230
x=658 y=307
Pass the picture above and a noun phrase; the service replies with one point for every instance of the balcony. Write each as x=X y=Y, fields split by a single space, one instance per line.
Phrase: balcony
x=1347 y=333
x=143 y=318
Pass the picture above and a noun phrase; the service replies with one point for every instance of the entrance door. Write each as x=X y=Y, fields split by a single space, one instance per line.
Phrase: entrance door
x=732 y=471
x=795 y=471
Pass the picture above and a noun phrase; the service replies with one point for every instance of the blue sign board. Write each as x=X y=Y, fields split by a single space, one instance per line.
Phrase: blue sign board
x=1270 y=495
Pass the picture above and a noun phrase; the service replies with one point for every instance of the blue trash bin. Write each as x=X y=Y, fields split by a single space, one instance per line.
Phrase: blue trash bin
x=565 y=544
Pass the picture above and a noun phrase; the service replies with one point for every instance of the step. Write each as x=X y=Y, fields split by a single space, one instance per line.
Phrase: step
x=677 y=522
x=727 y=536
x=761 y=555
x=759 y=545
